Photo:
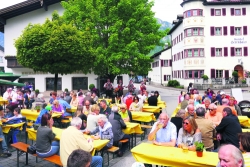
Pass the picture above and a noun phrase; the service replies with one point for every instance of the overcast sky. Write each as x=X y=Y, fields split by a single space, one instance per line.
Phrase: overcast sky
x=166 y=10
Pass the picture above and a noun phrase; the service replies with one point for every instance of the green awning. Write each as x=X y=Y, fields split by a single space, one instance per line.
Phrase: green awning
x=5 y=82
x=9 y=76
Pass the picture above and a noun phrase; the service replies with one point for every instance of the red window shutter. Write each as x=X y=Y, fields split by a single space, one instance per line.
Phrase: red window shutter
x=165 y=77
x=162 y=63
x=224 y=12
x=244 y=30
x=170 y=63
x=212 y=52
x=212 y=11
x=232 y=51
x=226 y=74
x=225 y=30
x=212 y=73
x=232 y=11
x=212 y=31
x=245 y=51
x=225 y=51
x=243 y=11
x=231 y=30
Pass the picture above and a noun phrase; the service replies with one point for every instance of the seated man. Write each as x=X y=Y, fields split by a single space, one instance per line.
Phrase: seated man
x=164 y=132
x=213 y=114
x=79 y=158
x=72 y=139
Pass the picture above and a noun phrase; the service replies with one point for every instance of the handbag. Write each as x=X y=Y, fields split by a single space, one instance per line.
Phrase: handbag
x=32 y=149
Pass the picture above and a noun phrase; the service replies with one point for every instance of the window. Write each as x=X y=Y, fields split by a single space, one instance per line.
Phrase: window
x=238 y=51
x=237 y=12
x=1 y=59
x=195 y=13
x=189 y=32
x=81 y=83
x=237 y=31
x=217 y=30
x=195 y=31
x=219 y=73
x=190 y=74
x=217 y=12
x=167 y=77
x=201 y=53
x=166 y=63
x=196 y=53
x=31 y=81
x=50 y=83
x=218 y=52
x=189 y=52
x=196 y=74
x=201 y=31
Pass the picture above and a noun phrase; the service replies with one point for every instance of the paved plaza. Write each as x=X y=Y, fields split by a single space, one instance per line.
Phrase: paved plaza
x=167 y=95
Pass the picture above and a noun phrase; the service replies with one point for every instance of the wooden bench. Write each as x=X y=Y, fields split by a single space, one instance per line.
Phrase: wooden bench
x=112 y=150
x=22 y=147
x=145 y=127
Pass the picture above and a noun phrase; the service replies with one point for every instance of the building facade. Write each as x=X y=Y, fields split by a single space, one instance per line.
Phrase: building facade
x=211 y=38
x=13 y=21
x=161 y=67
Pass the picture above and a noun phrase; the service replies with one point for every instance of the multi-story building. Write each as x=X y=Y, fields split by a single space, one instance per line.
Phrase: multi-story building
x=210 y=38
x=13 y=20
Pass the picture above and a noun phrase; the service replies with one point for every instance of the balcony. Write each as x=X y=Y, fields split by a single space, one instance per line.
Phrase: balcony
x=12 y=62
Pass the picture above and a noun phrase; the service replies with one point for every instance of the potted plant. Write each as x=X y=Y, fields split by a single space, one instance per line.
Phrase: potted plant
x=235 y=75
x=205 y=77
x=66 y=90
x=37 y=108
x=37 y=92
x=199 y=148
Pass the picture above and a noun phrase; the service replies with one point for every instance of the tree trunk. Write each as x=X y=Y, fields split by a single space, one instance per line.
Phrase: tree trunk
x=55 y=82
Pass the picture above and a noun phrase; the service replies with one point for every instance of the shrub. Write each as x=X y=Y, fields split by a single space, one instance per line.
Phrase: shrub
x=180 y=87
x=37 y=91
x=91 y=86
x=173 y=83
x=205 y=77
x=235 y=74
x=244 y=81
x=66 y=90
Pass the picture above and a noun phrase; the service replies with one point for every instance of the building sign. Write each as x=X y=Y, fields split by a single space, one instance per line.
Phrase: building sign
x=239 y=40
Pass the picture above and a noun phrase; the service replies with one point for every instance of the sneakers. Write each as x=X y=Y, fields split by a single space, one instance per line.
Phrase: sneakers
x=7 y=153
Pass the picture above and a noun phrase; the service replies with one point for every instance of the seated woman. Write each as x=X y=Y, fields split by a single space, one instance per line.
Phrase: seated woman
x=103 y=131
x=244 y=139
x=189 y=134
x=87 y=108
x=12 y=134
x=79 y=113
x=92 y=119
x=45 y=146
x=74 y=101
x=135 y=106
x=156 y=93
x=94 y=97
x=58 y=108
x=125 y=114
x=178 y=119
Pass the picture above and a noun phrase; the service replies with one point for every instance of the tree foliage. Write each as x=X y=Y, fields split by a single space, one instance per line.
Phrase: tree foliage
x=54 y=47
x=123 y=33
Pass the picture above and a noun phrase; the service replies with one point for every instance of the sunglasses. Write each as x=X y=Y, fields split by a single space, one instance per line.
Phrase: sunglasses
x=210 y=109
x=186 y=123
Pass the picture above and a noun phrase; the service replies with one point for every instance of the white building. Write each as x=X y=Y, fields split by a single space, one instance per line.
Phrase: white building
x=161 y=67
x=211 y=38
x=13 y=20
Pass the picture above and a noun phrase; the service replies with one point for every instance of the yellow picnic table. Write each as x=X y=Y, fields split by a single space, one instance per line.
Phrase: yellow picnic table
x=143 y=116
x=172 y=156
x=72 y=109
x=33 y=114
x=6 y=128
x=161 y=104
x=244 y=121
x=132 y=128
x=98 y=144
x=3 y=101
x=176 y=110
x=107 y=100
x=153 y=109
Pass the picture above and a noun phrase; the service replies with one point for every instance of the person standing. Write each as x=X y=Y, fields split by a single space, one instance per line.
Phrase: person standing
x=131 y=87
x=109 y=88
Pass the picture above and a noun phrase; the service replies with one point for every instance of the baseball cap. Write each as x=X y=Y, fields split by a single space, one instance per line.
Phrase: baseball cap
x=222 y=93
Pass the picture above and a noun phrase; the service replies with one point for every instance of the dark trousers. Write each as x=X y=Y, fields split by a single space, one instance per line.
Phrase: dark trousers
x=109 y=93
x=122 y=146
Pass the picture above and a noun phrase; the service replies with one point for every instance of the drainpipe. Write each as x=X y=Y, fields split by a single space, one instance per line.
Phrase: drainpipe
x=171 y=56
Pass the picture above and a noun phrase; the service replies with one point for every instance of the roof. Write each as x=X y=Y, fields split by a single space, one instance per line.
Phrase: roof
x=22 y=8
x=158 y=53
x=5 y=82
x=175 y=26
x=1 y=48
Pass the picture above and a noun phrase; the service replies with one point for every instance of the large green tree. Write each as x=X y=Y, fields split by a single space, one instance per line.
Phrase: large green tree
x=123 y=33
x=54 y=47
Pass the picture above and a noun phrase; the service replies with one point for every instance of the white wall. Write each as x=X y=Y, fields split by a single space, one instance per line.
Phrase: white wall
x=1 y=58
